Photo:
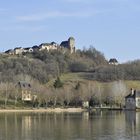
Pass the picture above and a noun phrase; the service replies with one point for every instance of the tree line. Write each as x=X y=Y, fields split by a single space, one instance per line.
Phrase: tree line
x=126 y=71
x=65 y=95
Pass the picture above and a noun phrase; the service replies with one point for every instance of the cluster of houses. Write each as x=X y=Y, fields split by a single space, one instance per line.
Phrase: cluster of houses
x=69 y=45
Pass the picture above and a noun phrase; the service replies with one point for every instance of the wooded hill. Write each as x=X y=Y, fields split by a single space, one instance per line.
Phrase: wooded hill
x=43 y=66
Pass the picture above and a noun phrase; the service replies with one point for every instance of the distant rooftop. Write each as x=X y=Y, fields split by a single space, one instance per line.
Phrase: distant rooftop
x=113 y=60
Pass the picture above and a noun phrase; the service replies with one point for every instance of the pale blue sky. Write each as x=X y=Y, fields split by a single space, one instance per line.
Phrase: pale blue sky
x=112 y=26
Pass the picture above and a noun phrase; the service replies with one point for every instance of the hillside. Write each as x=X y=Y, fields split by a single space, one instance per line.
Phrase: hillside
x=43 y=65
x=61 y=78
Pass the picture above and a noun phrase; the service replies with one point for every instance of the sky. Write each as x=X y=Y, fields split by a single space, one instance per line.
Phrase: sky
x=111 y=26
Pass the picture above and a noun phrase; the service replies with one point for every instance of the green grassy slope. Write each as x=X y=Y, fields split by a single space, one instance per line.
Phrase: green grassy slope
x=85 y=77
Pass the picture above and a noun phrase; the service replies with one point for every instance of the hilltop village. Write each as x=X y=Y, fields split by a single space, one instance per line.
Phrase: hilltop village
x=67 y=45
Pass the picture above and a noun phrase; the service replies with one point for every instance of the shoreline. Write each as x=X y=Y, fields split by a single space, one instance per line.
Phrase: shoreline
x=42 y=110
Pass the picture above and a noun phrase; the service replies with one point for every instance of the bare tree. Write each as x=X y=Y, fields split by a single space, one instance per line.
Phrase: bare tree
x=47 y=95
x=118 y=91
x=68 y=94
x=16 y=94
x=54 y=96
x=6 y=90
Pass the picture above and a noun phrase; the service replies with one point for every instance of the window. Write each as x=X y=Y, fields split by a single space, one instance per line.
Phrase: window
x=130 y=100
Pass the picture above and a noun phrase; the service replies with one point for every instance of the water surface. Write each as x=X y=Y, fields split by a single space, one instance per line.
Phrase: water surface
x=70 y=126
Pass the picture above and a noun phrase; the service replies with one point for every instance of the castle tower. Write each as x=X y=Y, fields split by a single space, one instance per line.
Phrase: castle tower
x=71 y=44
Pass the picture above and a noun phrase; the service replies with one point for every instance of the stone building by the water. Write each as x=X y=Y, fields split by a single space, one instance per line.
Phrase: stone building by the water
x=132 y=101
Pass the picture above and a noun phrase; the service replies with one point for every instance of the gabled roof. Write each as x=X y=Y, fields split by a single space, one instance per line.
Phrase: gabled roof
x=113 y=60
x=9 y=51
x=18 y=48
x=134 y=95
x=27 y=48
x=34 y=47
x=44 y=44
x=24 y=85
x=64 y=44
x=131 y=96
x=52 y=43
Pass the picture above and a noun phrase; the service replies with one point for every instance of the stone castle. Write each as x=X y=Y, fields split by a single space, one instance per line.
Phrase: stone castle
x=66 y=45
x=70 y=44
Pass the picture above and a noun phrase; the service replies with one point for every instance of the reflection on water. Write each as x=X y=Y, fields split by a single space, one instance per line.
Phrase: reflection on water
x=67 y=126
x=133 y=124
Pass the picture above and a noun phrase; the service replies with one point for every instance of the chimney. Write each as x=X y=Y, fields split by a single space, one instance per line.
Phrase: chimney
x=132 y=91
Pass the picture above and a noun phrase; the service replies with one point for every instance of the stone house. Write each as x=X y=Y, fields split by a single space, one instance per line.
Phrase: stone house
x=28 y=50
x=26 y=91
x=132 y=101
x=48 y=46
x=113 y=61
x=18 y=50
x=35 y=48
x=54 y=44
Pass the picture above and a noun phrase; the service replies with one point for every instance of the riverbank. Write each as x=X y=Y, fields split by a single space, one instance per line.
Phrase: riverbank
x=41 y=110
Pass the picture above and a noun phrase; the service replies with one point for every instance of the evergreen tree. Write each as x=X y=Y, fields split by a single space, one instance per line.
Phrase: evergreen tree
x=58 y=83
x=77 y=86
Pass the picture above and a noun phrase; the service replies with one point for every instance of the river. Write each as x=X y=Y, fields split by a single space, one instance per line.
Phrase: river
x=106 y=125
